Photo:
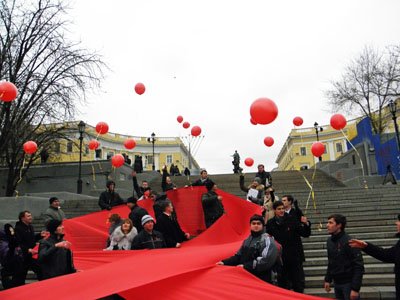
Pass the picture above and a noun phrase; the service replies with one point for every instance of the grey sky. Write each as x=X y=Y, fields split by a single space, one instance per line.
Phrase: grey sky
x=209 y=60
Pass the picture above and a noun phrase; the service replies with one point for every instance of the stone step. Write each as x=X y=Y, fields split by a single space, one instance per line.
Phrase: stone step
x=388 y=242
x=361 y=236
x=369 y=269
x=357 y=230
x=368 y=280
x=323 y=261
x=366 y=292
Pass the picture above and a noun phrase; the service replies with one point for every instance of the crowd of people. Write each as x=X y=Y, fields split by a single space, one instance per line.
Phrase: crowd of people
x=273 y=251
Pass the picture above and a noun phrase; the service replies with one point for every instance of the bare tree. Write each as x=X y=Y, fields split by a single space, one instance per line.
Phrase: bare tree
x=369 y=82
x=50 y=72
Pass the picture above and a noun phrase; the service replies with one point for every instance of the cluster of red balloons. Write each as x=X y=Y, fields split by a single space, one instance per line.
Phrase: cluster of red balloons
x=8 y=91
x=30 y=147
x=195 y=131
x=140 y=88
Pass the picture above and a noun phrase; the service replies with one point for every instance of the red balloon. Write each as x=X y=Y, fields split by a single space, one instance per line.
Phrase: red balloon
x=186 y=125
x=298 y=121
x=117 y=160
x=196 y=130
x=30 y=147
x=338 y=121
x=93 y=144
x=253 y=122
x=263 y=111
x=268 y=141
x=130 y=144
x=102 y=128
x=249 y=161
x=179 y=119
x=8 y=91
x=317 y=149
x=140 y=88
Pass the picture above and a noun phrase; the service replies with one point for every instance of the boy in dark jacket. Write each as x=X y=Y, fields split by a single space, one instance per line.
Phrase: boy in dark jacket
x=109 y=198
x=148 y=238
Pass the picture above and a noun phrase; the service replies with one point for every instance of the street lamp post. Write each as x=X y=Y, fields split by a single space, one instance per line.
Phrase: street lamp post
x=317 y=130
x=152 y=140
x=392 y=107
x=81 y=129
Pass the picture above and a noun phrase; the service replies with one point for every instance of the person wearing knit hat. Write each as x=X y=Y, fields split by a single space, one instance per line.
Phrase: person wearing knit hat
x=136 y=213
x=148 y=238
x=55 y=256
x=147 y=218
x=255 y=191
x=259 y=254
x=212 y=204
x=54 y=212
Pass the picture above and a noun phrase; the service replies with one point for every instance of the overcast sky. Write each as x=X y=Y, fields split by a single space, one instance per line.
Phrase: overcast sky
x=209 y=60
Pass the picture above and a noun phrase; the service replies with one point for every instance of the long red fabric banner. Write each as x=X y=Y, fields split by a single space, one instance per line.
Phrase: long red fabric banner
x=188 y=272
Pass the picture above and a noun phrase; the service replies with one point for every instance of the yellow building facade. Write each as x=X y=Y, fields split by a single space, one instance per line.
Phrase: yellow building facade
x=167 y=150
x=296 y=152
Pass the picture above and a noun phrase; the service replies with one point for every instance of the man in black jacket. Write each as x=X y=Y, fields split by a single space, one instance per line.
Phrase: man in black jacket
x=55 y=256
x=136 y=213
x=148 y=238
x=287 y=231
x=109 y=198
x=258 y=253
x=265 y=177
x=140 y=190
x=168 y=225
x=27 y=239
x=212 y=204
x=345 y=264
x=203 y=179
x=389 y=255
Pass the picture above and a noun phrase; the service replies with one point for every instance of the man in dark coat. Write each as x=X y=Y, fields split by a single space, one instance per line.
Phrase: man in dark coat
x=203 y=179
x=27 y=239
x=11 y=258
x=55 y=256
x=109 y=198
x=345 y=264
x=148 y=238
x=265 y=177
x=168 y=225
x=212 y=204
x=287 y=231
x=258 y=253
x=140 y=190
x=389 y=255
x=136 y=213
x=293 y=210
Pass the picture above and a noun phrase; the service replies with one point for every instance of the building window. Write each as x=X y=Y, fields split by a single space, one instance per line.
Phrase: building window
x=57 y=147
x=86 y=149
x=110 y=154
x=149 y=160
x=303 y=151
x=339 y=148
x=69 y=146
x=98 y=154
x=325 y=147
x=169 y=159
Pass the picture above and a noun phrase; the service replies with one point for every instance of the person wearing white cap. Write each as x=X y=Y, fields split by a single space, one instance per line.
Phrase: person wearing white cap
x=148 y=238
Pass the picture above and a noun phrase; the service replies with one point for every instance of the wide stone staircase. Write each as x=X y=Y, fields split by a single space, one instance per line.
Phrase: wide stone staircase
x=371 y=214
